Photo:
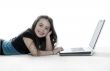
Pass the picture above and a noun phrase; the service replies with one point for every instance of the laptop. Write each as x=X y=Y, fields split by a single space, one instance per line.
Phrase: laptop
x=88 y=51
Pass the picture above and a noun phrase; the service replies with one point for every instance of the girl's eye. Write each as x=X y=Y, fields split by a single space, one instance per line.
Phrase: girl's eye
x=46 y=28
x=40 y=25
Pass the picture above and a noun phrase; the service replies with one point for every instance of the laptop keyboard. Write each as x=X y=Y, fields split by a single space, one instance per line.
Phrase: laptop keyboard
x=77 y=49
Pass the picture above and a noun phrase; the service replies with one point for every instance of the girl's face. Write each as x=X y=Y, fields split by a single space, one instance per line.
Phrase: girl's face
x=42 y=28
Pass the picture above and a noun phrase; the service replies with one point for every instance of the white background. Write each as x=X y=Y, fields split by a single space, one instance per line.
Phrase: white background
x=74 y=20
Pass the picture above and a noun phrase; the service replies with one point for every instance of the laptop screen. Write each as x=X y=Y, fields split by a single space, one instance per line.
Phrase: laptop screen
x=96 y=33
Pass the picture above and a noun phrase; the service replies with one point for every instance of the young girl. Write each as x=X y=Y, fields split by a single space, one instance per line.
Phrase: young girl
x=39 y=40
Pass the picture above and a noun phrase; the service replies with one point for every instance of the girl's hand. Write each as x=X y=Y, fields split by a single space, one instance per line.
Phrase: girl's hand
x=48 y=35
x=48 y=41
x=57 y=50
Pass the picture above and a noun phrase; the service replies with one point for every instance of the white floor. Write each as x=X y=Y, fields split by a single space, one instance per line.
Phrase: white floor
x=98 y=62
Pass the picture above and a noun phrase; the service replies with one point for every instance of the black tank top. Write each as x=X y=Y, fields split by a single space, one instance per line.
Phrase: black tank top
x=20 y=46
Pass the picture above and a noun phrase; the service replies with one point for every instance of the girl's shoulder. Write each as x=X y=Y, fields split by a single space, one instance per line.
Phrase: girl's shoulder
x=28 y=33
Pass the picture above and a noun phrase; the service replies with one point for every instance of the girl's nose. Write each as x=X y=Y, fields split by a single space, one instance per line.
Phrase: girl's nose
x=42 y=29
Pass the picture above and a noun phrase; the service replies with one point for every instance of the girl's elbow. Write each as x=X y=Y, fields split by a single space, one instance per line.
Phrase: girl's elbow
x=34 y=54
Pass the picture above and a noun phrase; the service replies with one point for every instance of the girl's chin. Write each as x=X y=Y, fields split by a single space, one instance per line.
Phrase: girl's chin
x=40 y=36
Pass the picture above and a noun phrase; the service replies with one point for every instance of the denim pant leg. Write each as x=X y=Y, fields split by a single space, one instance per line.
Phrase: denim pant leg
x=8 y=48
x=1 y=51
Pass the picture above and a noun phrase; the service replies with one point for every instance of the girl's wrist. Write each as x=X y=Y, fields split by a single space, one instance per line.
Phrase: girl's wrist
x=47 y=37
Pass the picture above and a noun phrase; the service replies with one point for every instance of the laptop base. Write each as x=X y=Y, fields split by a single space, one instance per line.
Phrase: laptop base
x=76 y=54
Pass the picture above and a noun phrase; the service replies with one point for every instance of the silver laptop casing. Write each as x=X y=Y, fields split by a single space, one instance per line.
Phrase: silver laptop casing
x=88 y=51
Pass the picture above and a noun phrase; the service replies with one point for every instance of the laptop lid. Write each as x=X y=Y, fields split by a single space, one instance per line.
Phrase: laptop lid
x=96 y=33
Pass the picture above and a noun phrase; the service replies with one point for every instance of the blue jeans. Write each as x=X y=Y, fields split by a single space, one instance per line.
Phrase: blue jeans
x=8 y=48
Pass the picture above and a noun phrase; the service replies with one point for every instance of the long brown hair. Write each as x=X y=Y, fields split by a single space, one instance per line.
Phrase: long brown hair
x=53 y=36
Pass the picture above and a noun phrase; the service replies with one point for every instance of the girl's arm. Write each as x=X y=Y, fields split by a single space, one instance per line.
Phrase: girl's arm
x=30 y=45
x=32 y=48
x=48 y=42
x=55 y=51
